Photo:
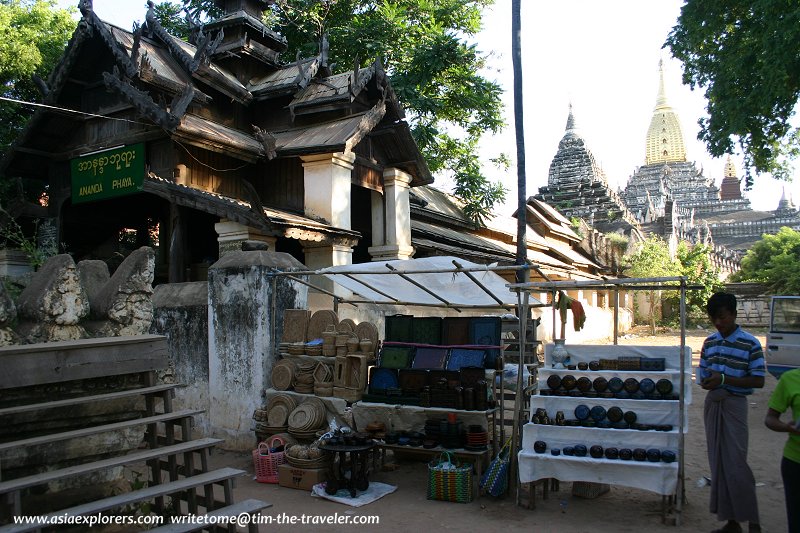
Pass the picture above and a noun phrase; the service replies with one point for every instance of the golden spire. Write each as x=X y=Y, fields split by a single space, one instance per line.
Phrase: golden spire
x=664 y=136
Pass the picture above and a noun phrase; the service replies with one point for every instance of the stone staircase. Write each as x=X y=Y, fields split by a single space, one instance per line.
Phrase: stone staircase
x=53 y=434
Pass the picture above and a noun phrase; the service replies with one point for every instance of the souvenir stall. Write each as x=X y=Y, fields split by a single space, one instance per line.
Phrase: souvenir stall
x=610 y=415
x=426 y=385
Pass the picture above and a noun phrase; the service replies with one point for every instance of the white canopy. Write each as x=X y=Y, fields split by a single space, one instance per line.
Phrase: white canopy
x=427 y=281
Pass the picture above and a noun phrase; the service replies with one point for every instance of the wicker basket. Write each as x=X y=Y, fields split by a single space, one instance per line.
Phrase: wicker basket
x=266 y=463
x=449 y=483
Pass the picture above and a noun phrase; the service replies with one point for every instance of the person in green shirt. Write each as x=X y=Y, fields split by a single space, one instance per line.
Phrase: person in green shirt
x=786 y=395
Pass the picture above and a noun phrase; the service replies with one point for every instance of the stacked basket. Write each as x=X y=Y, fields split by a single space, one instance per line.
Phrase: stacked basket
x=307 y=418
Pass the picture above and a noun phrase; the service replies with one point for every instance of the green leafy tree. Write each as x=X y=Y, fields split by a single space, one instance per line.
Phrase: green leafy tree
x=433 y=68
x=774 y=261
x=33 y=34
x=746 y=56
x=652 y=260
x=694 y=263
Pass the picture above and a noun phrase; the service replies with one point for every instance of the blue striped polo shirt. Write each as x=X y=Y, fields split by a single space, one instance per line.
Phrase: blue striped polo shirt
x=737 y=355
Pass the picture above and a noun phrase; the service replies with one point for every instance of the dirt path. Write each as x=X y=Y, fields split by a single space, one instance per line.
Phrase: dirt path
x=622 y=510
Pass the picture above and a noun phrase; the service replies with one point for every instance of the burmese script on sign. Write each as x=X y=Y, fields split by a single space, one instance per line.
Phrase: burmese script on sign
x=108 y=174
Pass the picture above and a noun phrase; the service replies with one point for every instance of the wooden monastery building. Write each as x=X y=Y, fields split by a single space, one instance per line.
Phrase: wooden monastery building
x=201 y=145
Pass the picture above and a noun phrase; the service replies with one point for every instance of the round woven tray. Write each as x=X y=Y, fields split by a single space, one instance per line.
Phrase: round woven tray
x=281 y=399
x=282 y=375
x=319 y=322
x=277 y=415
x=302 y=418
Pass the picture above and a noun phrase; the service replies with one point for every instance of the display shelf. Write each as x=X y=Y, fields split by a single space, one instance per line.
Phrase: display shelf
x=659 y=477
x=560 y=436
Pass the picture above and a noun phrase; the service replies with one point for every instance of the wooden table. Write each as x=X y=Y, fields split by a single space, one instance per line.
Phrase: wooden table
x=358 y=465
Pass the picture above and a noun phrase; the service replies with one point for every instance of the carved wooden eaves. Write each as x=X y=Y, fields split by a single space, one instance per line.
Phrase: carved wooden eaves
x=169 y=118
x=268 y=140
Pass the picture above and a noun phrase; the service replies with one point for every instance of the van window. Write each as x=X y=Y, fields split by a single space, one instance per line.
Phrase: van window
x=785 y=315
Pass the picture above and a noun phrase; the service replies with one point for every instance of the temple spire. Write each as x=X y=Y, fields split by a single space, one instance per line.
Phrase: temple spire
x=661 y=99
x=571 y=126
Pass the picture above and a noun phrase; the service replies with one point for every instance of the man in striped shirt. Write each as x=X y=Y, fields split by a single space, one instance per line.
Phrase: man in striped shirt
x=731 y=366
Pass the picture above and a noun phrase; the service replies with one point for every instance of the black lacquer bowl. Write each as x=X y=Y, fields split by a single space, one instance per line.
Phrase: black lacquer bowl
x=647 y=386
x=554 y=381
x=540 y=446
x=614 y=414
x=600 y=384
x=569 y=382
x=664 y=386
x=631 y=385
x=615 y=384
x=596 y=451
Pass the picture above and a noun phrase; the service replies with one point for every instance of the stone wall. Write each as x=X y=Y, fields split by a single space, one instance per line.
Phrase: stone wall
x=180 y=313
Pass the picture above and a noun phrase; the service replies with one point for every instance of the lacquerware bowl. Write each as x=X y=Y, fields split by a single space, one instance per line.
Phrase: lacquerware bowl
x=612 y=453
x=579 y=450
x=629 y=417
x=596 y=451
x=583 y=366
x=569 y=382
x=598 y=413
x=639 y=454
x=555 y=451
x=600 y=384
x=540 y=446
x=569 y=450
x=615 y=384
x=668 y=456
x=654 y=455
x=631 y=385
x=626 y=454
x=664 y=386
x=647 y=386
x=554 y=381
x=594 y=365
x=614 y=414
x=582 y=412
x=584 y=384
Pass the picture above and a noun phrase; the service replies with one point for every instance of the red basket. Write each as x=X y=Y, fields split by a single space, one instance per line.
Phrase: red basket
x=266 y=463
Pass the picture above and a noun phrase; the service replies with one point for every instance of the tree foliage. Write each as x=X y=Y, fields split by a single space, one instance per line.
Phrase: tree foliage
x=33 y=34
x=652 y=260
x=746 y=56
x=694 y=263
x=775 y=262
x=433 y=68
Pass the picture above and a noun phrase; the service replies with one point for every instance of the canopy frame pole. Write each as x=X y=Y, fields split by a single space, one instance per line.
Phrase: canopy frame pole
x=478 y=283
x=336 y=298
x=370 y=287
x=421 y=287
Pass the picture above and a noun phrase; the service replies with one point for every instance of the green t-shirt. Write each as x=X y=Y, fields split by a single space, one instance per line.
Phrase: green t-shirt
x=786 y=395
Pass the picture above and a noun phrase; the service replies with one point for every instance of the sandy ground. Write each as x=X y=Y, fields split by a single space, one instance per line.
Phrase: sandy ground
x=619 y=511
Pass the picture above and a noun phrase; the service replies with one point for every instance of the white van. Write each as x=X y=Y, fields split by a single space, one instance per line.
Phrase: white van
x=783 y=339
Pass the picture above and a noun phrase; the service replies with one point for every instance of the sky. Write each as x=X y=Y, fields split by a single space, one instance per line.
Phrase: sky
x=599 y=55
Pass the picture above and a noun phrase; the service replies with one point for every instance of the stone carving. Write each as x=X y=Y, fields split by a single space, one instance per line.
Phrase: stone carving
x=126 y=298
x=54 y=302
x=94 y=276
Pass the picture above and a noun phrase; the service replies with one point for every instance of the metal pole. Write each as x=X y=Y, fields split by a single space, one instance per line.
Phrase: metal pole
x=479 y=284
x=681 y=493
x=616 y=316
x=512 y=467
